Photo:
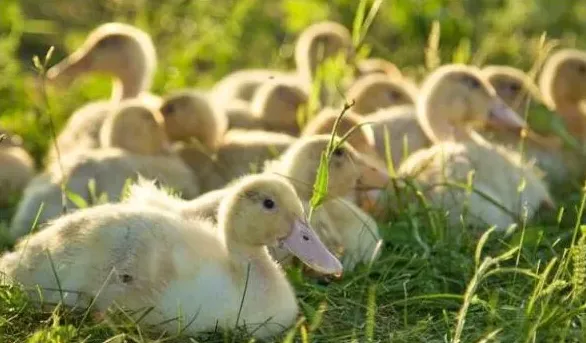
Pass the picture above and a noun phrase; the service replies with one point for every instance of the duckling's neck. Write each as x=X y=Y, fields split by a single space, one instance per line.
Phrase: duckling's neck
x=574 y=118
x=128 y=85
x=251 y=261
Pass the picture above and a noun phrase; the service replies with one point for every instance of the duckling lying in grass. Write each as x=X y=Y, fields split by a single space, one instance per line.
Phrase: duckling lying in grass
x=134 y=144
x=120 y=50
x=343 y=227
x=140 y=257
x=543 y=146
x=17 y=168
x=452 y=99
x=214 y=155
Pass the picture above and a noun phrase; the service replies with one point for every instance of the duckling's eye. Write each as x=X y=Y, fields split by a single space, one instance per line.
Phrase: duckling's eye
x=269 y=204
x=515 y=87
x=582 y=68
x=393 y=95
x=338 y=152
x=168 y=109
x=472 y=82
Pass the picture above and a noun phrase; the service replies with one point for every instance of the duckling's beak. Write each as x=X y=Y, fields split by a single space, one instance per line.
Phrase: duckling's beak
x=372 y=176
x=501 y=115
x=304 y=243
x=64 y=72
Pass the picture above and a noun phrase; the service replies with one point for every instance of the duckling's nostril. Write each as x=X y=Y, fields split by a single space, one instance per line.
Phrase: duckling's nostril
x=125 y=278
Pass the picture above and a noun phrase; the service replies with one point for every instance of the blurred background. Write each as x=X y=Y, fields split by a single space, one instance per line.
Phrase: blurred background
x=199 y=41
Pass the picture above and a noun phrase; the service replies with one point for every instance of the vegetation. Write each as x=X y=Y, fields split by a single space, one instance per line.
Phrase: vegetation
x=433 y=283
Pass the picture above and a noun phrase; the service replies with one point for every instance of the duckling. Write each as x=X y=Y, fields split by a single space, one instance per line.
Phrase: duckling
x=190 y=114
x=314 y=45
x=140 y=257
x=378 y=91
x=17 y=169
x=277 y=103
x=361 y=138
x=121 y=50
x=397 y=133
x=454 y=99
x=242 y=84
x=563 y=85
x=240 y=116
x=355 y=237
x=134 y=144
x=348 y=170
x=517 y=90
x=240 y=153
x=377 y=66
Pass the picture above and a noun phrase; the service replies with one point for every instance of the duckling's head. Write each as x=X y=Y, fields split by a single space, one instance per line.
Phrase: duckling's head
x=377 y=66
x=512 y=85
x=188 y=114
x=563 y=78
x=376 y=91
x=456 y=97
x=346 y=169
x=117 y=49
x=319 y=42
x=361 y=138
x=277 y=102
x=264 y=210
x=135 y=128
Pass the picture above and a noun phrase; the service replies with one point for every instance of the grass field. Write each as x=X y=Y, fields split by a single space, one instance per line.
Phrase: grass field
x=433 y=283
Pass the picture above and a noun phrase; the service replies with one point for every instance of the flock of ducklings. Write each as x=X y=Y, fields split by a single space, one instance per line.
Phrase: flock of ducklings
x=244 y=171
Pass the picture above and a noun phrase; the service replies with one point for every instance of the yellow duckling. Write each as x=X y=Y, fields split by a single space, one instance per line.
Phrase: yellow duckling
x=276 y=105
x=190 y=114
x=134 y=144
x=215 y=155
x=17 y=167
x=563 y=85
x=342 y=226
x=374 y=92
x=314 y=45
x=517 y=90
x=452 y=100
x=140 y=257
x=120 y=50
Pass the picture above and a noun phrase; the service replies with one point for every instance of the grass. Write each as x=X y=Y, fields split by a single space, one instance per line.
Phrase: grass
x=433 y=283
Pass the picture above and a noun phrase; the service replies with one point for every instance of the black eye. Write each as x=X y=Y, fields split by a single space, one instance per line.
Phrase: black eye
x=338 y=152
x=305 y=237
x=393 y=95
x=268 y=204
x=125 y=278
x=472 y=82
x=515 y=87
x=582 y=68
x=168 y=109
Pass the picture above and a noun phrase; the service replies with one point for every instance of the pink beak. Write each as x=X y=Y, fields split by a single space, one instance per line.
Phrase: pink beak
x=304 y=243
x=501 y=115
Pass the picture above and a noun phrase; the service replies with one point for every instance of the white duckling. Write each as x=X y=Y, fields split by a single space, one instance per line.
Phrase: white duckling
x=17 y=167
x=194 y=277
x=452 y=99
x=134 y=144
x=123 y=51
